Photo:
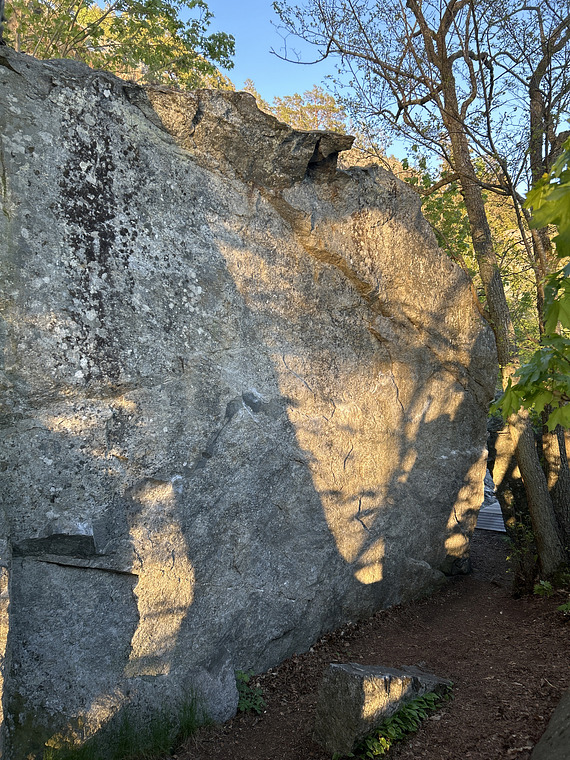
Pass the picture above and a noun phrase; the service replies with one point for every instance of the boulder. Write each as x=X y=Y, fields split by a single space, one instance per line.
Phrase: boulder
x=554 y=744
x=243 y=396
x=355 y=699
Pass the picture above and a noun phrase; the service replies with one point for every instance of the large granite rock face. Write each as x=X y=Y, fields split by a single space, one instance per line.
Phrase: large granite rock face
x=243 y=397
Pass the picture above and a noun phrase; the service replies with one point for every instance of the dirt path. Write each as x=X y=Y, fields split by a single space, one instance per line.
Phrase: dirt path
x=509 y=660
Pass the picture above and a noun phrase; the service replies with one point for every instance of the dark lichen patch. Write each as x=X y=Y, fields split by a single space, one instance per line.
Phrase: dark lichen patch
x=100 y=220
x=88 y=209
x=118 y=429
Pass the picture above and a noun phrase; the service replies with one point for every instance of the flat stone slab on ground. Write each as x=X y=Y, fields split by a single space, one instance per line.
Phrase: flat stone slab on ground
x=355 y=699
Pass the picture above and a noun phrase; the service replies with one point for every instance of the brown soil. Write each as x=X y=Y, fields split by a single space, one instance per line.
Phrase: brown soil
x=508 y=659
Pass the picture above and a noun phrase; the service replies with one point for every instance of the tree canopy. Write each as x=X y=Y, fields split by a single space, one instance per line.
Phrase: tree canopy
x=544 y=381
x=146 y=40
x=500 y=53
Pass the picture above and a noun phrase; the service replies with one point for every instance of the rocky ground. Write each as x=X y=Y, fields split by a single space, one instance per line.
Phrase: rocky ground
x=508 y=658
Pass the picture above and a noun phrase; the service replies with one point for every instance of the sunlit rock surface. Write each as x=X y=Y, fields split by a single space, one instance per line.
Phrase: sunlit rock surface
x=355 y=699
x=243 y=397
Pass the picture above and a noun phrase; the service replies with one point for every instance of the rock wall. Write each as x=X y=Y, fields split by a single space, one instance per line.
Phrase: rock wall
x=243 y=397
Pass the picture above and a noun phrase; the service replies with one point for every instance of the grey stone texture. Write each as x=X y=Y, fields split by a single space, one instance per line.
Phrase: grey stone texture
x=554 y=744
x=243 y=396
x=354 y=700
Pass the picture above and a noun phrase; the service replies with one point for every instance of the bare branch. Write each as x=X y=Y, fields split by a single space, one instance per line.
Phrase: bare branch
x=448 y=180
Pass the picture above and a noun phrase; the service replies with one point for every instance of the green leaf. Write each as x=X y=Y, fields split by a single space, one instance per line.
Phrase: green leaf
x=564 y=310
x=559 y=416
x=128 y=38
x=544 y=380
x=542 y=399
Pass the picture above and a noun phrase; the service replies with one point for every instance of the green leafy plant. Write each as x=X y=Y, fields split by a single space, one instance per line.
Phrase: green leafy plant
x=543 y=588
x=562 y=578
x=543 y=382
x=560 y=584
x=398 y=726
x=250 y=695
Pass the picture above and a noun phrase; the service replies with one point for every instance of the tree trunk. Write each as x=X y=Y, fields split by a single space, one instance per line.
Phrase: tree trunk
x=550 y=549
x=555 y=454
x=537 y=122
x=553 y=444
x=514 y=506
x=544 y=525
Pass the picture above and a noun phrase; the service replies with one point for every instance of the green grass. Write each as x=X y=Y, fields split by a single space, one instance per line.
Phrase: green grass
x=133 y=740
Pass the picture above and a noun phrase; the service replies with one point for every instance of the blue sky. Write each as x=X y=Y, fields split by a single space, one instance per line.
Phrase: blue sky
x=250 y=23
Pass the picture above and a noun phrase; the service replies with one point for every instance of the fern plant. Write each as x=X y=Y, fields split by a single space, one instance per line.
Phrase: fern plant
x=398 y=726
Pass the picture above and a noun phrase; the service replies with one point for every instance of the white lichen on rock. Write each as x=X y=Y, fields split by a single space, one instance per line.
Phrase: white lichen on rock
x=243 y=369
